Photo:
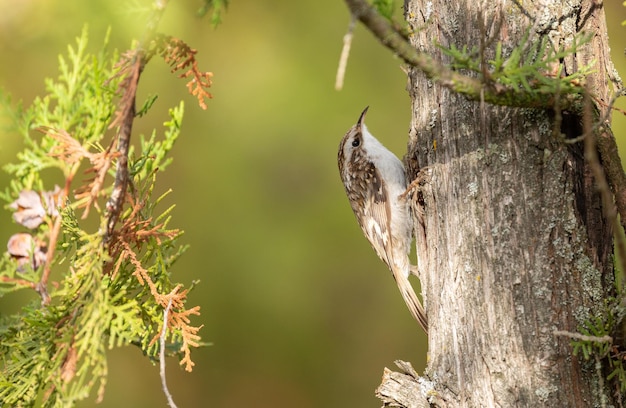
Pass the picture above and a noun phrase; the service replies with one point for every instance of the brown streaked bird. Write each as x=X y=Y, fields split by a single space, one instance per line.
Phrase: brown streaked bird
x=375 y=181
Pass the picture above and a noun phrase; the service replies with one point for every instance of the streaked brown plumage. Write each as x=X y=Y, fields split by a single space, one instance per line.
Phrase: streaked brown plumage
x=374 y=181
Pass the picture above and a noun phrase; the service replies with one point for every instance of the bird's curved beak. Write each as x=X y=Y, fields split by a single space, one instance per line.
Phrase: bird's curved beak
x=362 y=117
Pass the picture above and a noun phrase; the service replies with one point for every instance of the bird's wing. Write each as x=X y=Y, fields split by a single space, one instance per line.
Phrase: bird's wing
x=376 y=222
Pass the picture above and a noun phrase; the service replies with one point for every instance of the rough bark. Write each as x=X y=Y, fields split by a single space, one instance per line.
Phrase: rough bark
x=511 y=238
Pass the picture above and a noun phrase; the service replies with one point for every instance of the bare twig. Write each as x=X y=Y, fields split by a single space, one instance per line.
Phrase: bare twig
x=42 y=285
x=612 y=164
x=583 y=337
x=124 y=119
x=470 y=87
x=615 y=179
x=170 y=400
x=591 y=155
x=345 y=53
x=604 y=119
x=126 y=114
x=607 y=169
x=607 y=172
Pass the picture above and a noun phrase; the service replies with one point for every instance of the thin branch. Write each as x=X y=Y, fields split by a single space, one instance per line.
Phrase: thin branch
x=126 y=114
x=124 y=119
x=470 y=87
x=604 y=119
x=42 y=285
x=583 y=337
x=612 y=164
x=525 y=12
x=607 y=171
x=170 y=400
x=345 y=53
x=591 y=155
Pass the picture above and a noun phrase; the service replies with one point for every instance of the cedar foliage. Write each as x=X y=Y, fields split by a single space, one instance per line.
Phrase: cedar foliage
x=110 y=258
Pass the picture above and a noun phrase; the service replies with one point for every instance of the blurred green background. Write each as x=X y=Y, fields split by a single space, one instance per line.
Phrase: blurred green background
x=300 y=311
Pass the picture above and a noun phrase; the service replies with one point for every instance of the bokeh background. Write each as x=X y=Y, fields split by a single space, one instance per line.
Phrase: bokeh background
x=299 y=310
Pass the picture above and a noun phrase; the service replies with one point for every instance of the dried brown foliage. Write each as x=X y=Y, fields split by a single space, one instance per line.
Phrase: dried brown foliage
x=126 y=242
x=181 y=57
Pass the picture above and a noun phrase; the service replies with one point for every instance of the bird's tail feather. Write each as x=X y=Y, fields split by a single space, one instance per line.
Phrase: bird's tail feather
x=412 y=302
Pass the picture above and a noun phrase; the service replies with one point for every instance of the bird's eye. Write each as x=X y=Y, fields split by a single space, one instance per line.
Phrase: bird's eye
x=356 y=142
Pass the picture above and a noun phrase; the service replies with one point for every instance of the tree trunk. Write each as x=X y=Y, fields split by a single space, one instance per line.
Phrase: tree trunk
x=511 y=239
